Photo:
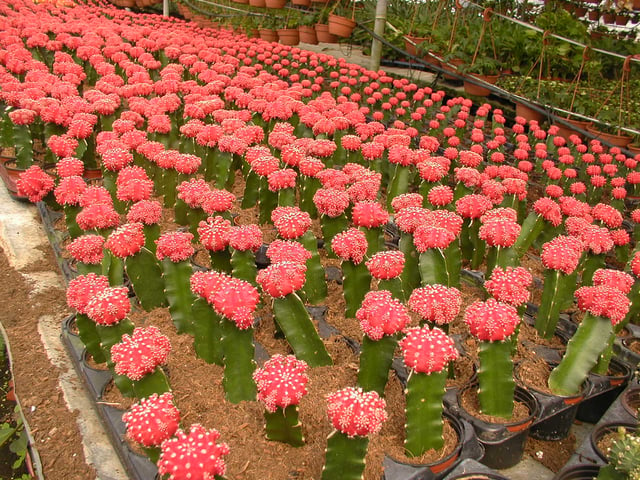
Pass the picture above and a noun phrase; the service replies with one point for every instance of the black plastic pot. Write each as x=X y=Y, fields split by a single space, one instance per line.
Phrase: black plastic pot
x=603 y=391
x=557 y=413
x=601 y=431
x=630 y=400
x=471 y=470
x=468 y=448
x=503 y=442
x=578 y=472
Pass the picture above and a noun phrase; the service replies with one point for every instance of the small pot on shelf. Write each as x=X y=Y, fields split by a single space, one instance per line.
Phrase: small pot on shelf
x=341 y=26
x=478 y=90
x=528 y=113
x=618 y=140
x=307 y=34
x=268 y=35
x=323 y=34
x=288 y=36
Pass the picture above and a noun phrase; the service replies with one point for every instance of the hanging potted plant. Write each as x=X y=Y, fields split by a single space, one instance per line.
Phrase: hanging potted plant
x=342 y=19
x=289 y=35
x=275 y=3
x=485 y=69
x=267 y=31
x=306 y=30
x=322 y=27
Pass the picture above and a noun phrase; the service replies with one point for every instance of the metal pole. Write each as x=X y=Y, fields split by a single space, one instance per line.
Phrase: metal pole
x=378 y=29
x=165 y=8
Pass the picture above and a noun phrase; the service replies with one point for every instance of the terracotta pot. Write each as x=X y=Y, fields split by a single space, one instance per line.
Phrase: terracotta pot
x=530 y=114
x=634 y=148
x=566 y=132
x=275 y=3
x=608 y=17
x=91 y=175
x=257 y=3
x=302 y=3
x=308 y=34
x=10 y=174
x=323 y=34
x=621 y=20
x=456 y=62
x=410 y=47
x=288 y=36
x=580 y=12
x=473 y=89
x=341 y=26
x=594 y=15
x=268 y=35
x=617 y=140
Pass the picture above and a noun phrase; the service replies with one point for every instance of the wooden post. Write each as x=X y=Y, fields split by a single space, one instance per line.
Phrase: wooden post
x=378 y=29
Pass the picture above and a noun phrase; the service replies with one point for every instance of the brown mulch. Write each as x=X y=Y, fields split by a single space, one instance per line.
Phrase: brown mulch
x=53 y=426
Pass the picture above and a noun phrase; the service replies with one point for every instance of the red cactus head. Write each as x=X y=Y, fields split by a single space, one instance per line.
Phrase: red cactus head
x=282 y=381
x=176 y=246
x=428 y=236
x=406 y=200
x=98 y=216
x=126 y=240
x=193 y=192
x=597 y=239
x=381 y=314
x=331 y=202
x=281 y=279
x=491 y=321
x=562 y=253
x=354 y=412
x=217 y=200
x=549 y=210
x=350 y=245
x=83 y=288
x=473 y=206
x=245 y=237
x=194 y=455
x=608 y=215
x=290 y=222
x=440 y=195
x=445 y=219
x=500 y=233
x=214 y=233
x=152 y=420
x=34 y=184
x=436 y=303
x=236 y=300
x=427 y=350
x=603 y=301
x=510 y=285
x=614 y=279
x=69 y=190
x=369 y=215
x=139 y=354
x=635 y=264
x=386 y=265
x=115 y=159
x=410 y=218
x=287 y=251
x=70 y=167
x=87 y=249
x=109 y=305
x=147 y=212
x=281 y=179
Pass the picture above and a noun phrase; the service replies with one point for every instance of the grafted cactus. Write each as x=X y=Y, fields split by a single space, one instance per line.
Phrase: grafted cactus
x=624 y=457
x=371 y=217
x=427 y=353
x=351 y=247
x=331 y=204
x=355 y=415
x=381 y=317
x=245 y=240
x=386 y=268
x=281 y=384
x=437 y=304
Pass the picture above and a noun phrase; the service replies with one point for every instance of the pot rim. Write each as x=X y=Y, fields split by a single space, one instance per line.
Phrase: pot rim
x=626 y=398
x=600 y=431
x=568 y=399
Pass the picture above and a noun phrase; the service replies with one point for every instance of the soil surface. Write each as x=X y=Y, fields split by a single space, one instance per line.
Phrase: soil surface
x=53 y=426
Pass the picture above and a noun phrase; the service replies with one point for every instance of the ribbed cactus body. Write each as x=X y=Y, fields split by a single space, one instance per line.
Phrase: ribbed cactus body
x=154 y=382
x=295 y=322
x=283 y=426
x=315 y=285
x=423 y=429
x=557 y=292
x=345 y=457
x=411 y=272
x=495 y=377
x=145 y=275
x=109 y=336
x=207 y=332
x=238 y=349
x=87 y=330
x=356 y=282
x=177 y=277
x=243 y=265
x=70 y=214
x=375 y=362
x=331 y=227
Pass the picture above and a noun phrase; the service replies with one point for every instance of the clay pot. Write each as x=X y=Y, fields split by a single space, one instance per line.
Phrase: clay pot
x=579 y=472
x=456 y=62
x=323 y=34
x=524 y=111
x=594 y=15
x=302 y=3
x=608 y=17
x=275 y=3
x=308 y=34
x=268 y=35
x=566 y=132
x=478 y=90
x=341 y=26
x=410 y=47
x=288 y=36
x=621 y=20
x=616 y=140
x=10 y=174
x=634 y=148
x=257 y=3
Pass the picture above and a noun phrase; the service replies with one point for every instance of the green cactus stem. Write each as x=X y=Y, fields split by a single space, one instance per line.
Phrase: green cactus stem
x=472 y=248
x=221 y=261
x=178 y=292
x=295 y=322
x=207 y=330
x=532 y=227
x=145 y=275
x=283 y=426
x=24 y=146
x=583 y=351
x=376 y=357
x=440 y=266
x=602 y=366
x=411 y=272
x=394 y=285
x=375 y=239
x=151 y=234
x=344 y=457
x=634 y=309
x=169 y=183
x=109 y=336
x=501 y=257
x=86 y=268
x=251 y=189
x=238 y=349
x=286 y=197
x=495 y=377
x=331 y=226
x=70 y=214
x=590 y=264
x=399 y=182
x=113 y=268
x=622 y=253
x=243 y=264
x=315 y=286
x=87 y=151
x=181 y=212
x=267 y=201
x=89 y=335
x=557 y=294
x=223 y=170
x=154 y=382
x=356 y=282
x=624 y=457
x=109 y=179
x=308 y=188
x=460 y=191
x=424 y=412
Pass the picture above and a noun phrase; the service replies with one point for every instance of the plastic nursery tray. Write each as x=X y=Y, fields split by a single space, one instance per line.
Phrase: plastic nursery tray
x=56 y=237
x=623 y=352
